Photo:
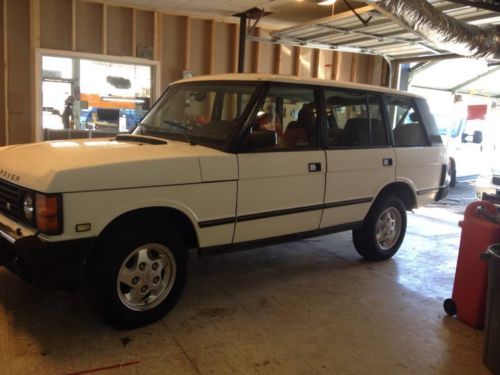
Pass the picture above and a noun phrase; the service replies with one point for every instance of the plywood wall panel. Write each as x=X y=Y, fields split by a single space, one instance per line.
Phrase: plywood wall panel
x=378 y=63
x=119 y=31
x=55 y=24
x=224 y=48
x=200 y=47
x=345 y=61
x=363 y=68
x=19 y=66
x=144 y=32
x=267 y=55
x=173 y=41
x=88 y=27
x=287 y=56
x=306 y=63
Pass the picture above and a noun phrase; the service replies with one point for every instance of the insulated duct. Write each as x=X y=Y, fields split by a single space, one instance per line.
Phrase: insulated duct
x=448 y=33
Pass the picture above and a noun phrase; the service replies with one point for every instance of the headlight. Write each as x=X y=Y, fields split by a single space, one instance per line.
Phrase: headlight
x=29 y=207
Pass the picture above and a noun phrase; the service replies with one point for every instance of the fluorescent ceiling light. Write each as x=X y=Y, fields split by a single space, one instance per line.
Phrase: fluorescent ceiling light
x=122 y=100
x=326 y=2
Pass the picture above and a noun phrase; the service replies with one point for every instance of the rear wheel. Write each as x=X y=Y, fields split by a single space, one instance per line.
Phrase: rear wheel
x=383 y=230
x=137 y=275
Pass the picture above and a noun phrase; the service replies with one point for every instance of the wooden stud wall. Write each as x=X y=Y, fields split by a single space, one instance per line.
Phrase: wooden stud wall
x=88 y=27
x=119 y=32
x=18 y=68
x=3 y=75
x=178 y=42
x=57 y=16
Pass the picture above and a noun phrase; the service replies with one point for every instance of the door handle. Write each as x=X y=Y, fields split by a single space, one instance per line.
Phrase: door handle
x=314 y=167
x=387 y=162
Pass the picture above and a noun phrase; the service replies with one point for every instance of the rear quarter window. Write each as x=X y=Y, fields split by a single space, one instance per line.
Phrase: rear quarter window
x=429 y=122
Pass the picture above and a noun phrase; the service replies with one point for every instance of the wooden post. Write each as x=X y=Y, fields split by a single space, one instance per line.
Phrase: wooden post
x=277 y=59
x=235 y=47
x=296 y=61
x=335 y=65
x=34 y=45
x=73 y=25
x=315 y=63
x=187 y=47
x=211 y=63
x=157 y=32
x=134 y=32
x=104 y=29
x=256 y=53
x=354 y=68
x=5 y=72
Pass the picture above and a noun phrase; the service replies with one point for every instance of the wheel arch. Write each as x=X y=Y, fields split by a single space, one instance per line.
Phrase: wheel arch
x=170 y=216
x=401 y=190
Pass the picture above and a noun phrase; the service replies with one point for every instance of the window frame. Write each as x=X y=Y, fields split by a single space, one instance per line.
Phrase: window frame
x=383 y=113
x=264 y=93
x=411 y=99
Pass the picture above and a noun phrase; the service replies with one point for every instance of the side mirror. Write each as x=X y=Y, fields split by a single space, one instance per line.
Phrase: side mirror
x=477 y=137
x=259 y=139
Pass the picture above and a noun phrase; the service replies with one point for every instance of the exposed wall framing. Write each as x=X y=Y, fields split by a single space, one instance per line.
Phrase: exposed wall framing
x=179 y=42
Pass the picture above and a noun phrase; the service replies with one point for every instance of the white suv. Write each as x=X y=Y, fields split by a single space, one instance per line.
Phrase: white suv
x=220 y=162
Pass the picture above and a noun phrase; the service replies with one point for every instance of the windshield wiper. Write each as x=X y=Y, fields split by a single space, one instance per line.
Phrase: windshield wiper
x=184 y=128
x=140 y=138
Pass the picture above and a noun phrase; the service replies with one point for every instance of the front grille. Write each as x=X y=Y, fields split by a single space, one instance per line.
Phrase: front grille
x=496 y=180
x=11 y=200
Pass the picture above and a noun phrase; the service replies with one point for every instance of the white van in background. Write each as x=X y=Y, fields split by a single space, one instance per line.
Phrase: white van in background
x=469 y=144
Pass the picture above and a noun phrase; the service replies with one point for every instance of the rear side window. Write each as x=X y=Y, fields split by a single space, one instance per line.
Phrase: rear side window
x=429 y=122
x=407 y=127
x=354 y=119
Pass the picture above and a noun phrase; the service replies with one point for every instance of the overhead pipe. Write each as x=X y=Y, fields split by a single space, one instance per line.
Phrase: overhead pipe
x=448 y=33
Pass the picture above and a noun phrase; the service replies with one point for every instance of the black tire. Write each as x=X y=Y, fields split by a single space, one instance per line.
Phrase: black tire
x=450 y=307
x=391 y=211
x=159 y=284
x=453 y=175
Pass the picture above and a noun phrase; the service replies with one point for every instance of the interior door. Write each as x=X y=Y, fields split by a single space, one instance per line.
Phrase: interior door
x=282 y=183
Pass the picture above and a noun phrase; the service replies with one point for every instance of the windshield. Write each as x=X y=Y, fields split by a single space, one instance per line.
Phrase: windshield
x=205 y=113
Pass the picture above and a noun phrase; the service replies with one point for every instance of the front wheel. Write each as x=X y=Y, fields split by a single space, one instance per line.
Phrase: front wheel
x=383 y=230
x=137 y=275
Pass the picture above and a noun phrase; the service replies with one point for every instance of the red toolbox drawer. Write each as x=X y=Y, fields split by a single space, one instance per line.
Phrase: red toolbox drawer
x=468 y=300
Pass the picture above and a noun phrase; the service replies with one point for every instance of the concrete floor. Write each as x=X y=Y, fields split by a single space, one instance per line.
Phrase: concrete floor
x=310 y=307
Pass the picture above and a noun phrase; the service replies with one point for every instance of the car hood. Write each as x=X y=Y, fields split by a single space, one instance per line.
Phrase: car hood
x=100 y=164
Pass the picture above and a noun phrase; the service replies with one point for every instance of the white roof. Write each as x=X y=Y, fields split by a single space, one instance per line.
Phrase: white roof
x=291 y=79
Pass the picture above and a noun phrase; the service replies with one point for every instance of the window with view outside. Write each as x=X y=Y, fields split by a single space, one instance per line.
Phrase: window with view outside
x=289 y=113
x=354 y=119
x=198 y=113
x=407 y=127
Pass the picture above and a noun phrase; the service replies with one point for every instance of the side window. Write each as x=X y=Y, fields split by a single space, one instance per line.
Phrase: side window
x=354 y=119
x=407 y=127
x=286 y=121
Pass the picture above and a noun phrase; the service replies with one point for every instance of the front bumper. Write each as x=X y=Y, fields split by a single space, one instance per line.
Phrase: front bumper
x=54 y=265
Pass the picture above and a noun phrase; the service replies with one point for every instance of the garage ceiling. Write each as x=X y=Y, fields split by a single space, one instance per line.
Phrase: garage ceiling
x=285 y=12
x=380 y=35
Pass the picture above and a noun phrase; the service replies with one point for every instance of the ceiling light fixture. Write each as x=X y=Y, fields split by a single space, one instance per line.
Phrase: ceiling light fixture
x=326 y=2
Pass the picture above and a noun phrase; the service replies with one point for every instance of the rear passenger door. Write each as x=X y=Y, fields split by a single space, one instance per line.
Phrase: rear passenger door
x=281 y=184
x=360 y=161
x=418 y=163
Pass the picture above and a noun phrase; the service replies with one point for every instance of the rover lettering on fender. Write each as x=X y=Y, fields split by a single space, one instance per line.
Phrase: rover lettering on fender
x=220 y=162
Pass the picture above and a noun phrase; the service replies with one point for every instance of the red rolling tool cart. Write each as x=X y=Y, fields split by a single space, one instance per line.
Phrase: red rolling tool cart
x=480 y=228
